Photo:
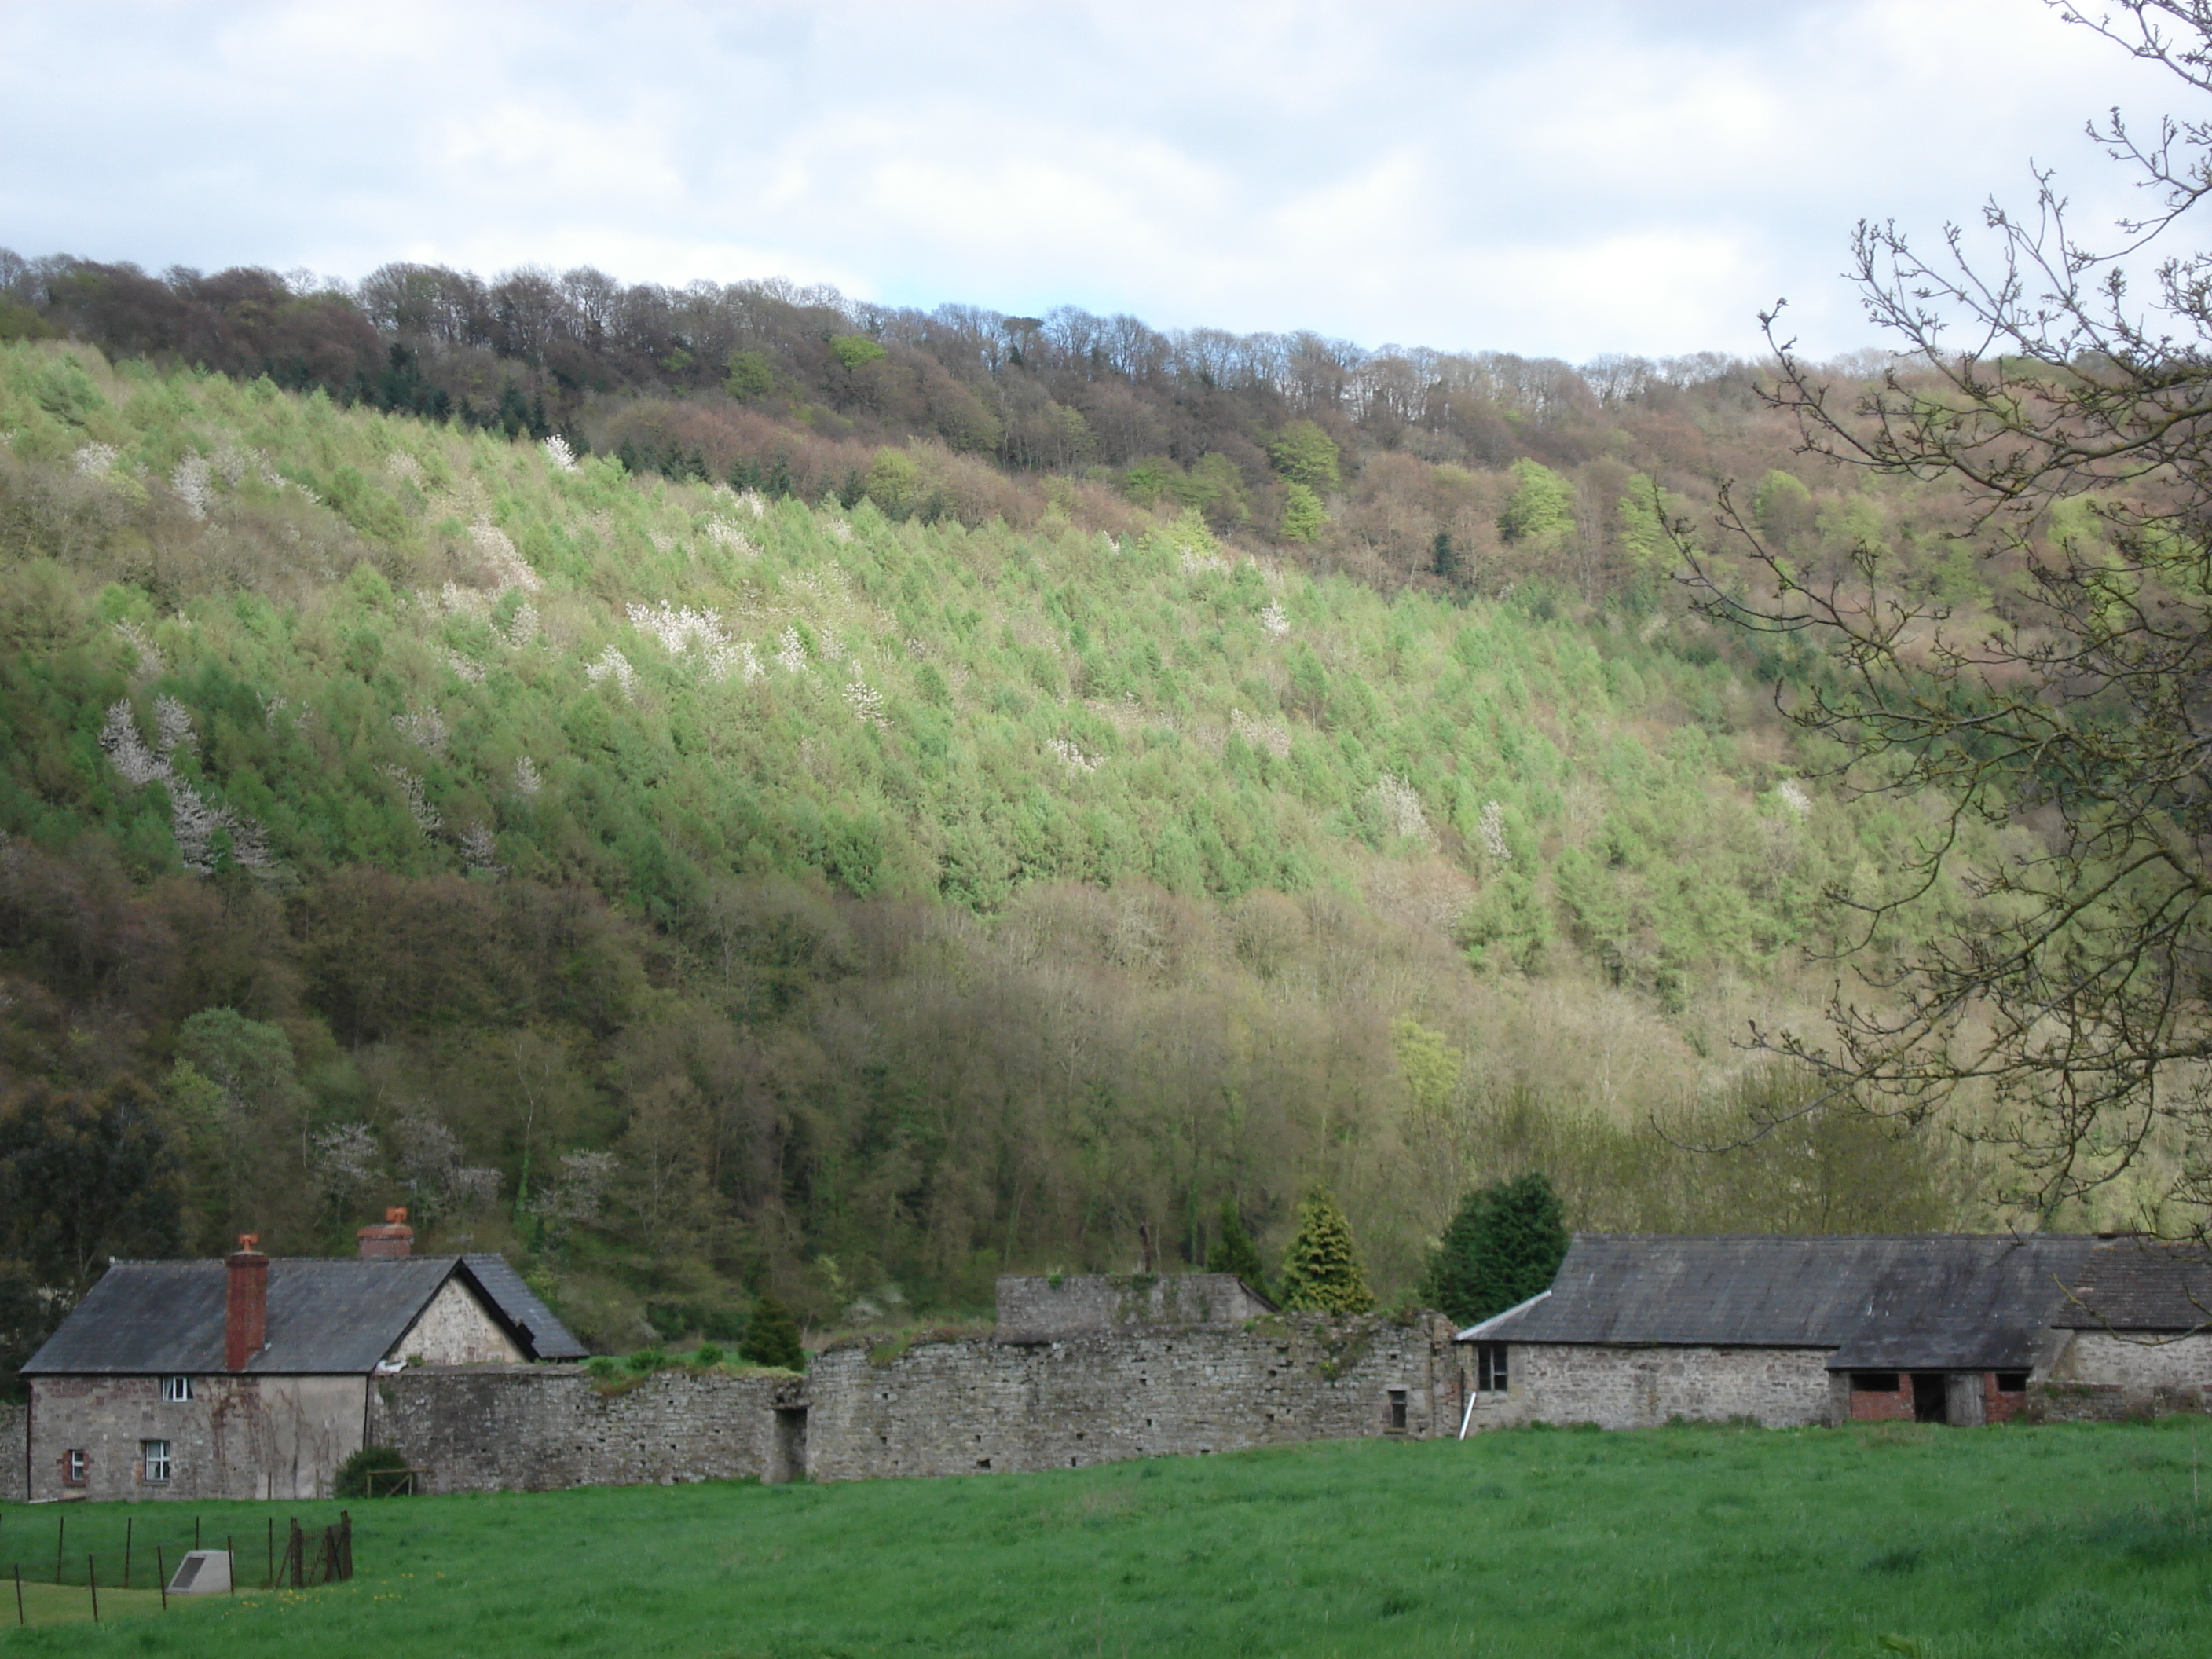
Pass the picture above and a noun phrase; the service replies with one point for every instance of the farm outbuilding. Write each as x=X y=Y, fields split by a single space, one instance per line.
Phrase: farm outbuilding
x=1641 y=1329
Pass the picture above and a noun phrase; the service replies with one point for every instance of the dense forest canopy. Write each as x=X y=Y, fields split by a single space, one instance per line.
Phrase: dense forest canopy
x=729 y=790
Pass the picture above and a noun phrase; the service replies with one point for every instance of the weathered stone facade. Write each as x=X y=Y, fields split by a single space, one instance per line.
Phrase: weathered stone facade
x=237 y=1436
x=456 y=1329
x=2103 y=1376
x=1031 y=1305
x=1637 y=1388
x=531 y=1428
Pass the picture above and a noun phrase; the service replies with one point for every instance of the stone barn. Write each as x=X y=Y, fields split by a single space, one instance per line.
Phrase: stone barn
x=252 y=1376
x=1638 y=1330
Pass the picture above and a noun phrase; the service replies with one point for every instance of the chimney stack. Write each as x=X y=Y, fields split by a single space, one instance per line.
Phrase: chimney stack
x=390 y=1241
x=245 y=1304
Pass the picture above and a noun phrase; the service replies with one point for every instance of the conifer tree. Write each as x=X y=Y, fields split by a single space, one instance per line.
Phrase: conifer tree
x=1502 y=1248
x=772 y=1337
x=1233 y=1251
x=1321 y=1269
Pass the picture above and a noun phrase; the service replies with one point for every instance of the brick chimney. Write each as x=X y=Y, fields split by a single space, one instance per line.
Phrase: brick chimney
x=245 y=1304
x=389 y=1241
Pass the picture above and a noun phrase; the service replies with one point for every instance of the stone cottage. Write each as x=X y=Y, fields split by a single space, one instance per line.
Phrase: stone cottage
x=1638 y=1330
x=252 y=1376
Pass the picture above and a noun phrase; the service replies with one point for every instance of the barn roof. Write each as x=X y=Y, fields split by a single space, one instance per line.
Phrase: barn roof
x=1940 y=1302
x=326 y=1317
x=2140 y=1284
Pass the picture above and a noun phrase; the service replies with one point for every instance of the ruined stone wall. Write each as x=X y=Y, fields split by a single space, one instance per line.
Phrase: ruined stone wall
x=532 y=1428
x=14 y=1432
x=1056 y=1305
x=237 y=1436
x=972 y=1406
x=1635 y=1388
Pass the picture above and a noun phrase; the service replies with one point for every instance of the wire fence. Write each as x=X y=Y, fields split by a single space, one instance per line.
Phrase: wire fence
x=97 y=1553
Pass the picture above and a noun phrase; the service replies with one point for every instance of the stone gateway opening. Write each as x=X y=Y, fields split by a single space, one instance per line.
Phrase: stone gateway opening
x=787 y=1457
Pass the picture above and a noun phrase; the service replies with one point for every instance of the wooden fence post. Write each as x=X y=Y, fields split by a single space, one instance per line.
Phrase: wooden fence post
x=162 y=1572
x=230 y=1566
x=19 y=1595
x=128 y=1523
x=61 y=1528
x=273 y=1553
x=92 y=1577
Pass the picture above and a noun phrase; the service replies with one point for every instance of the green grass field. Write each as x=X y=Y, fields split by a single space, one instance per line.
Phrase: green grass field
x=2012 y=1543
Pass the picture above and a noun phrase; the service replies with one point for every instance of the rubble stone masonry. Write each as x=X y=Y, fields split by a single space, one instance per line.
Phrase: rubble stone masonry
x=1637 y=1388
x=534 y=1428
x=982 y=1406
x=965 y=1406
x=14 y=1434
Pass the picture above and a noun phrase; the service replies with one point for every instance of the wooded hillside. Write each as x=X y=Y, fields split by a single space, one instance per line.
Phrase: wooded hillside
x=820 y=853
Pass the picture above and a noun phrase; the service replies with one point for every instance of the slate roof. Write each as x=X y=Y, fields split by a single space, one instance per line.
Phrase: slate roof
x=1944 y=1302
x=326 y=1317
x=2140 y=1284
x=543 y=1334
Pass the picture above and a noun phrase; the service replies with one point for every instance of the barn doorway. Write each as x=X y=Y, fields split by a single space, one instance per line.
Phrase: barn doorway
x=1929 y=1402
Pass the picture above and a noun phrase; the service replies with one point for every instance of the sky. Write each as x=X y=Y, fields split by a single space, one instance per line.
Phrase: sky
x=1559 y=180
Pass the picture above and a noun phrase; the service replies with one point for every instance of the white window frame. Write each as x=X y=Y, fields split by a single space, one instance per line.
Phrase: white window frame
x=155 y=1464
x=77 y=1467
x=176 y=1390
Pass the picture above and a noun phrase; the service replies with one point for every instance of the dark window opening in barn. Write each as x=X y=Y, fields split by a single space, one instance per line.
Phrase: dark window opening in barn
x=73 y=1464
x=1397 y=1410
x=1873 y=1381
x=2011 y=1382
x=1490 y=1368
x=1929 y=1401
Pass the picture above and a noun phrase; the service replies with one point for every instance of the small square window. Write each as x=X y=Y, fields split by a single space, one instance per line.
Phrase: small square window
x=175 y=1390
x=2011 y=1382
x=1490 y=1375
x=74 y=1463
x=1873 y=1381
x=154 y=1459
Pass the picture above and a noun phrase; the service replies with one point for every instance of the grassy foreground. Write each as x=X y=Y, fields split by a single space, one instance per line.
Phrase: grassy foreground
x=1683 y=1541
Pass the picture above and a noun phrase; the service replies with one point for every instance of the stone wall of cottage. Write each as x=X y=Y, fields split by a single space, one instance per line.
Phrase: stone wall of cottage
x=238 y=1437
x=982 y=1406
x=534 y=1428
x=2100 y=1376
x=1057 y=1304
x=456 y=1330
x=1643 y=1388
x=15 y=1428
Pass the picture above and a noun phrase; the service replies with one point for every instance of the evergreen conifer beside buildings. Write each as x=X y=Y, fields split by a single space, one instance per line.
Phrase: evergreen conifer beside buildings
x=1502 y=1248
x=1321 y=1269
x=772 y=1337
x=1233 y=1251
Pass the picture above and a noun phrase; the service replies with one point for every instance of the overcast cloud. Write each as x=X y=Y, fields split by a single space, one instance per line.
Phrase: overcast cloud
x=1562 y=179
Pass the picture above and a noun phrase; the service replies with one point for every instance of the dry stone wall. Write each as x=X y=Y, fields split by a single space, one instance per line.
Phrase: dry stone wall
x=532 y=1428
x=980 y=1406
